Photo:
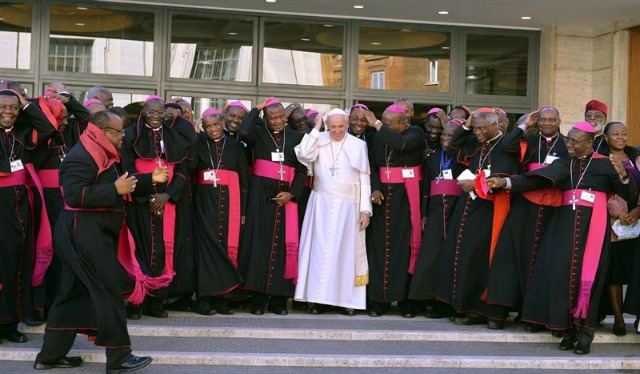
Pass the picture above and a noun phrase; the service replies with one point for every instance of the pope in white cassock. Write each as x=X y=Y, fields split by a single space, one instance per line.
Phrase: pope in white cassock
x=332 y=265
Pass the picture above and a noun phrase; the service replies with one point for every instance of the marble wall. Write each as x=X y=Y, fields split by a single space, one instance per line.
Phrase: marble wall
x=578 y=64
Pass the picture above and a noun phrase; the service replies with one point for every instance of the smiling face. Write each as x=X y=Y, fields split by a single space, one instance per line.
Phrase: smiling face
x=616 y=136
x=548 y=122
x=114 y=132
x=233 y=117
x=9 y=110
x=153 y=113
x=433 y=128
x=337 y=126
x=597 y=119
x=358 y=121
x=447 y=134
x=485 y=128
x=212 y=126
x=579 y=143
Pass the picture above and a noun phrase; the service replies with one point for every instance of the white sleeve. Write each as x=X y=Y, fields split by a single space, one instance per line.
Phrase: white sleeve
x=365 y=193
x=307 y=150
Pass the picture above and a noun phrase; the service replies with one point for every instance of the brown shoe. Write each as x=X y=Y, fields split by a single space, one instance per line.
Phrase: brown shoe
x=470 y=320
x=494 y=324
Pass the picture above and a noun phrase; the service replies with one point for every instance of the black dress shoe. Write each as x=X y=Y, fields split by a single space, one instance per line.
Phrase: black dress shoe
x=620 y=330
x=180 y=305
x=315 y=310
x=556 y=333
x=567 y=343
x=14 y=336
x=278 y=310
x=132 y=364
x=582 y=349
x=257 y=310
x=493 y=324
x=134 y=311
x=155 y=313
x=224 y=310
x=203 y=307
x=374 y=313
x=36 y=319
x=65 y=363
x=348 y=312
x=533 y=328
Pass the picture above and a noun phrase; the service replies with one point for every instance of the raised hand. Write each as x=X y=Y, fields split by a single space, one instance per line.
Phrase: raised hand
x=126 y=184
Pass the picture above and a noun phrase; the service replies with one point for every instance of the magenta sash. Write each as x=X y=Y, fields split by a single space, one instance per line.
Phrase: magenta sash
x=49 y=178
x=269 y=169
x=445 y=187
x=126 y=245
x=229 y=178
x=412 y=185
x=593 y=248
x=44 y=240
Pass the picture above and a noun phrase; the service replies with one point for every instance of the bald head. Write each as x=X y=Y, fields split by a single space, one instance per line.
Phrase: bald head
x=102 y=94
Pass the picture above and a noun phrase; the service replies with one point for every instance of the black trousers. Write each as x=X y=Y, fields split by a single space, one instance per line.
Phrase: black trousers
x=58 y=343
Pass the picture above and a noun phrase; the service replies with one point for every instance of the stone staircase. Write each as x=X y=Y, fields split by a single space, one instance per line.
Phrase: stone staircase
x=303 y=343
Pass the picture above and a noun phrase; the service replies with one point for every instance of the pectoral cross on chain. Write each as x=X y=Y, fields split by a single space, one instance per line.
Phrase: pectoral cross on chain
x=281 y=172
x=333 y=170
x=573 y=201
x=214 y=178
x=159 y=162
x=388 y=172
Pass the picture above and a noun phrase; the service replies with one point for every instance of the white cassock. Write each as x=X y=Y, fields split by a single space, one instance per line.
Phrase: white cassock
x=332 y=264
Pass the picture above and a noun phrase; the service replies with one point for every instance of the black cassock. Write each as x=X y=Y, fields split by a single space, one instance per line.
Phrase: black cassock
x=437 y=208
x=528 y=219
x=555 y=281
x=463 y=266
x=17 y=228
x=46 y=159
x=262 y=253
x=90 y=295
x=172 y=144
x=216 y=273
x=389 y=233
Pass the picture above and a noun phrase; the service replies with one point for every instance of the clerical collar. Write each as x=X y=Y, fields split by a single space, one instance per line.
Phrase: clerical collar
x=550 y=138
x=495 y=137
x=154 y=128
x=585 y=156
x=9 y=129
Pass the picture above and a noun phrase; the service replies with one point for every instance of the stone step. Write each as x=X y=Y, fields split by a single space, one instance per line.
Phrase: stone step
x=187 y=342
x=338 y=327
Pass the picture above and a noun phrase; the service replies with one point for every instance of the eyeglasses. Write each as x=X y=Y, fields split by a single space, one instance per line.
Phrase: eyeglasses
x=121 y=132
x=588 y=116
x=573 y=141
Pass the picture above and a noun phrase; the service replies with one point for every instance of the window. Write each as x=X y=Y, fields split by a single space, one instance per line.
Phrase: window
x=303 y=54
x=101 y=41
x=433 y=72
x=211 y=48
x=216 y=64
x=71 y=55
x=497 y=64
x=15 y=36
x=414 y=60
x=377 y=80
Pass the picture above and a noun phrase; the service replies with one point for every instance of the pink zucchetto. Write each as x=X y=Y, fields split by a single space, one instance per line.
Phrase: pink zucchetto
x=434 y=111
x=584 y=126
x=394 y=108
x=210 y=112
x=456 y=121
x=359 y=105
x=237 y=104
x=91 y=102
x=311 y=112
x=271 y=102
x=153 y=97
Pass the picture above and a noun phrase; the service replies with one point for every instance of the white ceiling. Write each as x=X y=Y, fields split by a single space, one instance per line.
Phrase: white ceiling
x=495 y=13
